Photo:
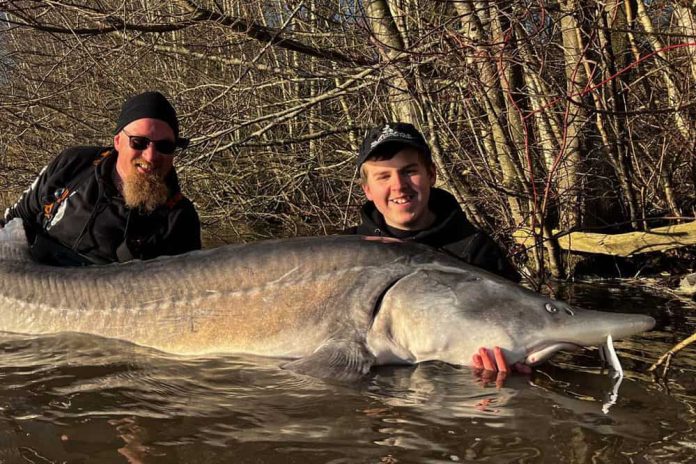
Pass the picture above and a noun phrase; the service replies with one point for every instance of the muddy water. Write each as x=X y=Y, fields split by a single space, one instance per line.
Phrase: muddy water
x=78 y=399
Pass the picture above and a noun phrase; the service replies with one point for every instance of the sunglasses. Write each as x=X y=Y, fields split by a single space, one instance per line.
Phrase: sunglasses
x=139 y=142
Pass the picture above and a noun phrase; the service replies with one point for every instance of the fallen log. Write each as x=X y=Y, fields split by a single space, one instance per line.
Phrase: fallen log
x=627 y=244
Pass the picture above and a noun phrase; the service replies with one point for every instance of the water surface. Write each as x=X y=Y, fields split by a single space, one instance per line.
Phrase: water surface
x=83 y=399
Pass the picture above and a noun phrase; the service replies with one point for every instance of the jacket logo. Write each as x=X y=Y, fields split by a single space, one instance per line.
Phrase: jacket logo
x=56 y=214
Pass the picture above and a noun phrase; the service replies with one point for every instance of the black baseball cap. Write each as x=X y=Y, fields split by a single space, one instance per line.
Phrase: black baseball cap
x=150 y=105
x=388 y=138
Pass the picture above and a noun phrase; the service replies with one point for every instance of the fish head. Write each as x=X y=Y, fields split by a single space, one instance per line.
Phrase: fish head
x=448 y=314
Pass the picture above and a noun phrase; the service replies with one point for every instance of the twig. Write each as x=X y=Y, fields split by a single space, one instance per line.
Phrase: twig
x=667 y=357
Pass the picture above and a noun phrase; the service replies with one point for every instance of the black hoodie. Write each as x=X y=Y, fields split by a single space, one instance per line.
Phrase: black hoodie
x=451 y=232
x=74 y=214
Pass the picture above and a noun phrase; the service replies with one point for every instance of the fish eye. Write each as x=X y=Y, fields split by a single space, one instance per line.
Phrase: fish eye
x=551 y=308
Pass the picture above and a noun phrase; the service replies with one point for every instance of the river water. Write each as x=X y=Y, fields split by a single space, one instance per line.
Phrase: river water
x=83 y=399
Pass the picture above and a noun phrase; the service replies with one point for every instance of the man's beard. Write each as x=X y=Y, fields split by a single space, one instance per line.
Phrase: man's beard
x=144 y=191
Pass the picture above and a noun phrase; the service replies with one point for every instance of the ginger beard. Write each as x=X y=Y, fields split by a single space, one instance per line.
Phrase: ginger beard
x=140 y=173
x=146 y=191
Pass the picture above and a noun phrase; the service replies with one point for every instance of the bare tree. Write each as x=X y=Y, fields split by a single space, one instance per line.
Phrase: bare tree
x=544 y=117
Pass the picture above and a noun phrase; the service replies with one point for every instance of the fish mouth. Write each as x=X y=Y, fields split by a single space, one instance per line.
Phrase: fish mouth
x=541 y=353
x=617 y=325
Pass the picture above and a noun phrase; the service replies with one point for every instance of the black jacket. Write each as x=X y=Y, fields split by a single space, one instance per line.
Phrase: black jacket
x=451 y=232
x=74 y=214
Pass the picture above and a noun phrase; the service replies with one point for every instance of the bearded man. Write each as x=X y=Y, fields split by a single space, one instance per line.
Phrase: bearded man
x=97 y=205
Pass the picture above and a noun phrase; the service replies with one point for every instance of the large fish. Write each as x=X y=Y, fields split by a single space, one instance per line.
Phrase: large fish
x=335 y=306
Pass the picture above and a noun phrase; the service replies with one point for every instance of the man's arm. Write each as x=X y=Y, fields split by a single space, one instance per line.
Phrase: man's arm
x=29 y=205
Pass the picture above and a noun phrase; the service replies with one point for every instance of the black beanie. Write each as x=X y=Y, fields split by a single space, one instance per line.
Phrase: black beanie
x=150 y=105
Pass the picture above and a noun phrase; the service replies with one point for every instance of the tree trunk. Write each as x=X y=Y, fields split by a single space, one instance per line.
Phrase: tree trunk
x=491 y=101
x=567 y=162
x=390 y=46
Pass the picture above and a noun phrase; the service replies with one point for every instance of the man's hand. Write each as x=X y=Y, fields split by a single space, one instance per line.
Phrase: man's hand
x=489 y=367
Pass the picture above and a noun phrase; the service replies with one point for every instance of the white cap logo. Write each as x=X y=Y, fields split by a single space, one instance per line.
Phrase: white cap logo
x=388 y=132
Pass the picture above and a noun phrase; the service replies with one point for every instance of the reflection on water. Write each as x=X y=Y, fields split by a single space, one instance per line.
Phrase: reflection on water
x=76 y=398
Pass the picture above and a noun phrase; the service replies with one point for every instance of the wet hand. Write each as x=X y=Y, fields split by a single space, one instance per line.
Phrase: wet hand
x=494 y=367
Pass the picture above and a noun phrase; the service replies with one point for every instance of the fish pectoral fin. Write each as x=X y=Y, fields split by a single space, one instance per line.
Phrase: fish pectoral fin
x=344 y=360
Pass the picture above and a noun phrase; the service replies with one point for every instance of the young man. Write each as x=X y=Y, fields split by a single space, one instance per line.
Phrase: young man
x=398 y=177
x=96 y=205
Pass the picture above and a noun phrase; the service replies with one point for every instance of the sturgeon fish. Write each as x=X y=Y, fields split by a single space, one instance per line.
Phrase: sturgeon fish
x=331 y=306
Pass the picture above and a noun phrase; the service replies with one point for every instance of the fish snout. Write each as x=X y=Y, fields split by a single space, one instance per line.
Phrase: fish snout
x=593 y=330
x=590 y=328
x=637 y=323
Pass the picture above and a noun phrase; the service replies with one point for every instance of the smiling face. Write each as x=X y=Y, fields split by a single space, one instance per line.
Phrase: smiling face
x=148 y=161
x=142 y=172
x=400 y=189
